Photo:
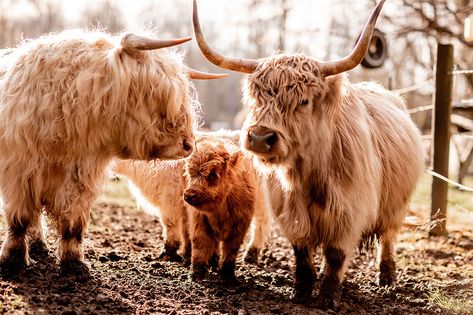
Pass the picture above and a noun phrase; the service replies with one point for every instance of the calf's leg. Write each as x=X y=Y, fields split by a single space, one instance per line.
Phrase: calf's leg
x=203 y=247
x=305 y=274
x=229 y=255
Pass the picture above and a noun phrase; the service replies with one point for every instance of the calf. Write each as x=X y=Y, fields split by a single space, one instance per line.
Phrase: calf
x=156 y=187
x=220 y=192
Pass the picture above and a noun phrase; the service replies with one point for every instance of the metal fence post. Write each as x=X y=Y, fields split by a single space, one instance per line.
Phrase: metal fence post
x=441 y=137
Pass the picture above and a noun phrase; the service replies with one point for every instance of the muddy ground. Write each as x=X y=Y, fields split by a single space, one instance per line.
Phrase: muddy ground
x=435 y=276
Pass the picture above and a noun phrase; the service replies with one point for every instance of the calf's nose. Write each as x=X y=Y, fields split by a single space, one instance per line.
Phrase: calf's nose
x=191 y=197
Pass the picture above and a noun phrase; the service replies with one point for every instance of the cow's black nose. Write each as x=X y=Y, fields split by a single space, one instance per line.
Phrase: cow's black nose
x=261 y=142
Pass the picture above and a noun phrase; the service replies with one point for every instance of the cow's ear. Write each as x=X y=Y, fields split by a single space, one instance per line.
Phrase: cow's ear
x=235 y=157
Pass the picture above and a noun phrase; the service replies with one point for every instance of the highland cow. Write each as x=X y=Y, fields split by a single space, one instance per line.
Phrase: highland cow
x=220 y=189
x=156 y=187
x=69 y=103
x=346 y=157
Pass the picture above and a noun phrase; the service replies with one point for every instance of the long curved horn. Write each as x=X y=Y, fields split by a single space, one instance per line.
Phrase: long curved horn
x=351 y=61
x=230 y=63
x=133 y=43
x=199 y=75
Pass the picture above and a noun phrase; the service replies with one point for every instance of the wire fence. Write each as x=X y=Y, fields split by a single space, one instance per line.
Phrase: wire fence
x=415 y=87
x=467 y=135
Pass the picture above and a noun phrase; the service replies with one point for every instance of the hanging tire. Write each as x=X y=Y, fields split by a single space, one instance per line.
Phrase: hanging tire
x=377 y=51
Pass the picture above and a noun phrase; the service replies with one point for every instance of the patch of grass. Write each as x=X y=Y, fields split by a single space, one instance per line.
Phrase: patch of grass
x=116 y=192
x=460 y=203
x=452 y=304
x=17 y=303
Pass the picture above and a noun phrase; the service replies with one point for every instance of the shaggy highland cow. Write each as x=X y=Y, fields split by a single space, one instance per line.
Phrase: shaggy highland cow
x=69 y=103
x=346 y=157
x=220 y=187
x=157 y=188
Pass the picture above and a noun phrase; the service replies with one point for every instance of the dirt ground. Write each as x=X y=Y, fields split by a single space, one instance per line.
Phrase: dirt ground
x=435 y=276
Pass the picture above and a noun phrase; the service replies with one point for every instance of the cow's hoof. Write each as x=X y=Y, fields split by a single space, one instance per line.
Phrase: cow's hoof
x=251 y=256
x=326 y=301
x=387 y=273
x=186 y=261
x=301 y=296
x=170 y=256
x=199 y=272
x=10 y=267
x=75 y=269
x=231 y=281
x=13 y=263
x=213 y=263
x=38 y=249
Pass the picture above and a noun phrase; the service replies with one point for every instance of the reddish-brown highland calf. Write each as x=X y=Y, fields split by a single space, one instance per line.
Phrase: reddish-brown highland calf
x=213 y=173
x=219 y=191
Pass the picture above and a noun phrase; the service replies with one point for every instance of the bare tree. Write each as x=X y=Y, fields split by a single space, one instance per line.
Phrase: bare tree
x=43 y=16
x=426 y=22
x=105 y=14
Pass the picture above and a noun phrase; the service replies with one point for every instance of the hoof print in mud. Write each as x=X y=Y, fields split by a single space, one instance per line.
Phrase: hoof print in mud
x=251 y=256
x=75 y=269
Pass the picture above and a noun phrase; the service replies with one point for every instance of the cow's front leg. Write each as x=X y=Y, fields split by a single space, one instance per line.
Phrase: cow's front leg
x=37 y=245
x=305 y=274
x=259 y=227
x=170 y=222
x=336 y=261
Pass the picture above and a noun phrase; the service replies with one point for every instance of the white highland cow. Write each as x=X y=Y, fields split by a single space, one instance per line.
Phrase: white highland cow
x=69 y=103
x=343 y=158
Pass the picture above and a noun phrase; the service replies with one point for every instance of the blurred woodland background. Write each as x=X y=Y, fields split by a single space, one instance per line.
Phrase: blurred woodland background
x=324 y=29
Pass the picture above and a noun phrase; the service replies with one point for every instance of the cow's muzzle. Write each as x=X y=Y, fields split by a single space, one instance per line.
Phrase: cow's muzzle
x=261 y=139
x=192 y=197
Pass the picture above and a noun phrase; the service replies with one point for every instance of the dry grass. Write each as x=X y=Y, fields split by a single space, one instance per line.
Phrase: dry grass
x=451 y=304
x=115 y=192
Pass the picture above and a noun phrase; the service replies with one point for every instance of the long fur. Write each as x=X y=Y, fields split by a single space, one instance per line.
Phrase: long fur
x=155 y=185
x=346 y=161
x=69 y=103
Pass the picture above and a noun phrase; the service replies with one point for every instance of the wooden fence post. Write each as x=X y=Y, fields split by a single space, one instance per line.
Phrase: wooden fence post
x=441 y=137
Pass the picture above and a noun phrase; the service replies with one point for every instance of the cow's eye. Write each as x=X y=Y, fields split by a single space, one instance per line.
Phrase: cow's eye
x=212 y=175
x=305 y=102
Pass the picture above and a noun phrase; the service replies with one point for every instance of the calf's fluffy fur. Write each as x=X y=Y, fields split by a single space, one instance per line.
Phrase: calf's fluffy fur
x=158 y=188
x=69 y=103
x=220 y=191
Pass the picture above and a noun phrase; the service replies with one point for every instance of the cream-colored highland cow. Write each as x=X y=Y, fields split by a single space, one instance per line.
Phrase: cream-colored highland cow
x=69 y=103
x=343 y=158
x=158 y=189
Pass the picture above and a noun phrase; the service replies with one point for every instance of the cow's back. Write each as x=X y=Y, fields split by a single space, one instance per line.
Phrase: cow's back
x=399 y=145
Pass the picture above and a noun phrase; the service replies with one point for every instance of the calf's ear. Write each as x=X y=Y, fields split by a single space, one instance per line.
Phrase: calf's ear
x=234 y=157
